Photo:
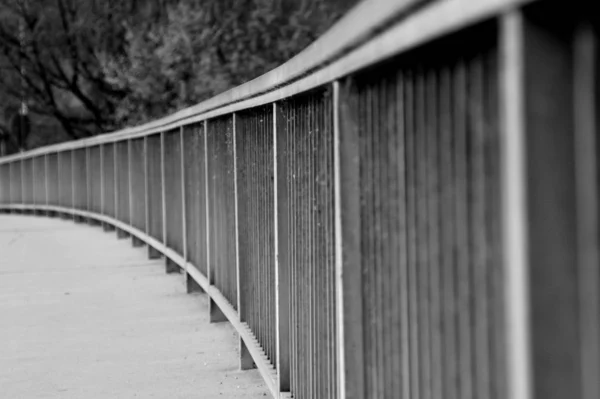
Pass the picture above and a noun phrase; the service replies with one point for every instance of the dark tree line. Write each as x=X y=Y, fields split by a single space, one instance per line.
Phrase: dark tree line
x=94 y=66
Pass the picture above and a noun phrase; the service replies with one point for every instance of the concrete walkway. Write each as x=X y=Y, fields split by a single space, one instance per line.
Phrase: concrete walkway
x=84 y=315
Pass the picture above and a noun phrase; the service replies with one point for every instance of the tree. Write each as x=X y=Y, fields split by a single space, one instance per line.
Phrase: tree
x=203 y=48
x=94 y=66
x=49 y=52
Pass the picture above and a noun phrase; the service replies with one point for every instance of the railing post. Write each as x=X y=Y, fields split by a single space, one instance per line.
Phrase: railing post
x=16 y=192
x=136 y=242
x=23 y=190
x=33 y=190
x=102 y=180
x=515 y=207
x=146 y=186
x=170 y=265
x=539 y=186
x=129 y=183
x=30 y=198
x=58 y=180
x=240 y=302
x=74 y=185
x=33 y=182
x=62 y=175
x=246 y=361
x=347 y=247
x=163 y=189
x=46 y=177
x=153 y=253
x=115 y=178
x=212 y=307
x=209 y=271
x=5 y=185
x=121 y=234
x=280 y=207
x=13 y=192
x=10 y=184
x=34 y=200
x=22 y=181
x=183 y=201
x=88 y=181
x=44 y=183
x=215 y=314
x=587 y=173
x=190 y=283
x=101 y=150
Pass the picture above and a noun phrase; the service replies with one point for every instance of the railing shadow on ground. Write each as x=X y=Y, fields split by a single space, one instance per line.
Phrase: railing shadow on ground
x=408 y=208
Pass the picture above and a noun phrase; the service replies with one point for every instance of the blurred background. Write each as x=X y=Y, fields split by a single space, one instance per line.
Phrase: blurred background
x=71 y=69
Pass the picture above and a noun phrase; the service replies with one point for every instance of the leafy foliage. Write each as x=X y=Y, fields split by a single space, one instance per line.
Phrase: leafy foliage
x=97 y=65
x=203 y=48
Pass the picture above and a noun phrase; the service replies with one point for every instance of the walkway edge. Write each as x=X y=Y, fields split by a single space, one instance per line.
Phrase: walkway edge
x=267 y=371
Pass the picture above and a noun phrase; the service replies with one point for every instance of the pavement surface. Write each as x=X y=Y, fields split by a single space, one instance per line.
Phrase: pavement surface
x=84 y=315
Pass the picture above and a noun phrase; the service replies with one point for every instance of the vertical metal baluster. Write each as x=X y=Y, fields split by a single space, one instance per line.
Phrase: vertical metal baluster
x=129 y=181
x=515 y=208
x=146 y=188
x=542 y=132
x=209 y=271
x=240 y=303
x=33 y=182
x=73 y=182
x=479 y=238
x=183 y=201
x=311 y=277
x=13 y=184
x=11 y=174
x=246 y=361
x=115 y=181
x=58 y=180
x=149 y=193
x=102 y=209
x=46 y=177
x=10 y=183
x=22 y=177
x=163 y=188
x=347 y=248
x=435 y=201
x=280 y=208
x=586 y=149
x=293 y=230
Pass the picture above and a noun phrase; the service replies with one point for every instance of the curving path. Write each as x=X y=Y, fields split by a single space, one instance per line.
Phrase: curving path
x=84 y=315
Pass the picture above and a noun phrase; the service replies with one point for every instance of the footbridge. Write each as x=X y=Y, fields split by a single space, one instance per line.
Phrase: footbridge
x=407 y=209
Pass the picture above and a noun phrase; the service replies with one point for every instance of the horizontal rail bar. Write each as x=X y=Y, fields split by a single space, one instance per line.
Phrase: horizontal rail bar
x=367 y=199
x=355 y=42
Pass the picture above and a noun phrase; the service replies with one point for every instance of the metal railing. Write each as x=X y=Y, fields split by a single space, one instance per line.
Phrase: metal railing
x=407 y=209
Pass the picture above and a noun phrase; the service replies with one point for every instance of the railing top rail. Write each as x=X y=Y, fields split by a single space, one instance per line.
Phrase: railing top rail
x=372 y=31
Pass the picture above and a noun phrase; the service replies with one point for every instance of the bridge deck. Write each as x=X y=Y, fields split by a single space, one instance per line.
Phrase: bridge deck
x=84 y=315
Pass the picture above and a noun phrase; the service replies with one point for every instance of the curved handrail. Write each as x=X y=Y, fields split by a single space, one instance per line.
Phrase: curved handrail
x=372 y=31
